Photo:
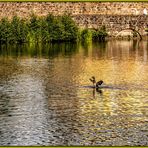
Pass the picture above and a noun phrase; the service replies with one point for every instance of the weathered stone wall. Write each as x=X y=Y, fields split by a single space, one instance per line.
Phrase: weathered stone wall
x=115 y=15
x=114 y=23
x=24 y=9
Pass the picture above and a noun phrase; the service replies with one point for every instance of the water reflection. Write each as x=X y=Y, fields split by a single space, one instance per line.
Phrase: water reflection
x=38 y=50
x=42 y=103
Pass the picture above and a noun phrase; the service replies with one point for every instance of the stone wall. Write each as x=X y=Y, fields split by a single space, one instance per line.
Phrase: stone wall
x=115 y=15
x=114 y=23
x=24 y=9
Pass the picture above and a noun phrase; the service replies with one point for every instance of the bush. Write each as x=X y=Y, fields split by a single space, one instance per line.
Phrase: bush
x=51 y=28
x=86 y=35
x=47 y=29
x=5 y=30
x=34 y=29
x=100 y=34
x=58 y=32
x=19 y=30
x=70 y=28
x=45 y=35
x=50 y=19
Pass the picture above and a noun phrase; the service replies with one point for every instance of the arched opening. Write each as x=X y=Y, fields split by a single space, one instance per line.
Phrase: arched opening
x=132 y=30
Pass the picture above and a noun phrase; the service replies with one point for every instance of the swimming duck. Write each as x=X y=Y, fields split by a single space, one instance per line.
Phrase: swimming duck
x=93 y=80
x=99 y=83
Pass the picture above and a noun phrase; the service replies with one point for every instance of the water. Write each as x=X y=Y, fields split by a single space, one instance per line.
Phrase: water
x=42 y=101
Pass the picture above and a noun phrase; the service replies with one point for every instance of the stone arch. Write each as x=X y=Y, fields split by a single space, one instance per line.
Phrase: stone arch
x=134 y=30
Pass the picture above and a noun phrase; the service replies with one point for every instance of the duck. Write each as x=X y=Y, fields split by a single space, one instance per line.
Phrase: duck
x=93 y=80
x=99 y=83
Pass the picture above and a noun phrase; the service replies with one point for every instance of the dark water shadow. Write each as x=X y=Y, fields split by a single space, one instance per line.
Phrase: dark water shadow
x=46 y=50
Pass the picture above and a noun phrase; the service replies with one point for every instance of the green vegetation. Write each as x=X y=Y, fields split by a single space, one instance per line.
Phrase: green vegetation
x=100 y=33
x=5 y=30
x=46 y=29
x=86 y=35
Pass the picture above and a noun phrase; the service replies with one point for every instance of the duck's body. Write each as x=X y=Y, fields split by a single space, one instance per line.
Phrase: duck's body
x=93 y=80
x=99 y=83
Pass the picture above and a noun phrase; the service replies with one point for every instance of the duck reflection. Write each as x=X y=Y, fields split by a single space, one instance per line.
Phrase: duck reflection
x=98 y=90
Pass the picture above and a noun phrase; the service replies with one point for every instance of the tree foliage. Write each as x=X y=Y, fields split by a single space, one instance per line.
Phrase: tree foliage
x=38 y=29
x=46 y=29
x=99 y=34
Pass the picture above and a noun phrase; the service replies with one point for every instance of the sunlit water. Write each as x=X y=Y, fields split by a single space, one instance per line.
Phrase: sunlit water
x=42 y=101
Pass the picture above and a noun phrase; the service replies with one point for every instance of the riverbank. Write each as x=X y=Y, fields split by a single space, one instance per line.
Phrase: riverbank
x=126 y=38
x=46 y=29
x=58 y=29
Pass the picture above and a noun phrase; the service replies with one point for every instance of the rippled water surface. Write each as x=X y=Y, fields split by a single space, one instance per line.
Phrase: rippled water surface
x=42 y=101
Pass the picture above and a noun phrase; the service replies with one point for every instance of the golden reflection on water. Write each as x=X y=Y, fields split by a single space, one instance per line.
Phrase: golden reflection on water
x=53 y=78
x=120 y=65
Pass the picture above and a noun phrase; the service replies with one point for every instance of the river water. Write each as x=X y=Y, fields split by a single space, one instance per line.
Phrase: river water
x=43 y=101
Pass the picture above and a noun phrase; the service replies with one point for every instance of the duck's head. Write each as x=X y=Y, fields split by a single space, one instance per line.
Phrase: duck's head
x=93 y=77
x=101 y=81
